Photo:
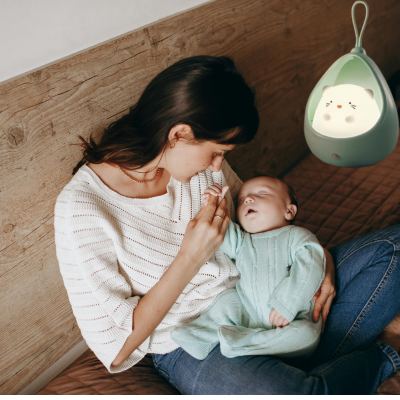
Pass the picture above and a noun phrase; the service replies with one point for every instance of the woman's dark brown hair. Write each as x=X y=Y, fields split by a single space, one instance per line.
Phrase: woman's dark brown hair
x=205 y=92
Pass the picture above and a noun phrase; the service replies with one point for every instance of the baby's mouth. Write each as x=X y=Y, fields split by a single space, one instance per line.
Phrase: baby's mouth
x=250 y=211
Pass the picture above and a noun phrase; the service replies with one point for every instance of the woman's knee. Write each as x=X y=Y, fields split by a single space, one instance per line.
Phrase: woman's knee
x=392 y=233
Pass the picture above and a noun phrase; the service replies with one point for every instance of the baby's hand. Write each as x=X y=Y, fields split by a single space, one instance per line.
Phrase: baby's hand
x=277 y=319
x=214 y=190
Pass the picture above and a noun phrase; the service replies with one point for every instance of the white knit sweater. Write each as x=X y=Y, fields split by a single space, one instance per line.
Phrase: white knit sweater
x=113 y=249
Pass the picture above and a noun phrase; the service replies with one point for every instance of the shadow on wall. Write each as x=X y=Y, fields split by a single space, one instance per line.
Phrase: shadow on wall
x=394 y=85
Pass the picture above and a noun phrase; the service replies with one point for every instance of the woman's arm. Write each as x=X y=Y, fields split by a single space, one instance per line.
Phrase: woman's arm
x=326 y=293
x=203 y=236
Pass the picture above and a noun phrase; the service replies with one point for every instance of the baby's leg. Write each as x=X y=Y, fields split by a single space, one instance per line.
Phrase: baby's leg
x=200 y=336
x=299 y=338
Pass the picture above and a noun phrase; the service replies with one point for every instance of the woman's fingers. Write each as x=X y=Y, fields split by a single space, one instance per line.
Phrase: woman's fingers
x=221 y=211
x=319 y=304
x=326 y=291
x=315 y=297
x=225 y=223
x=210 y=209
x=205 y=198
x=325 y=311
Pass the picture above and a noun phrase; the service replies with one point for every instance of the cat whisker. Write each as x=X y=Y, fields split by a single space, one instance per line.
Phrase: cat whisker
x=354 y=107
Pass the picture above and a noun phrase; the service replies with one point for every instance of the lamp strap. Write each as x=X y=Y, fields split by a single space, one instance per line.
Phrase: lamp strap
x=358 y=38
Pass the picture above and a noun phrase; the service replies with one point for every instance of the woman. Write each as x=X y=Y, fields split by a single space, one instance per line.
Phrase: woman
x=139 y=255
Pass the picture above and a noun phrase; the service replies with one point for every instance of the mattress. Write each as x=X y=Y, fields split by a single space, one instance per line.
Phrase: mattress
x=336 y=204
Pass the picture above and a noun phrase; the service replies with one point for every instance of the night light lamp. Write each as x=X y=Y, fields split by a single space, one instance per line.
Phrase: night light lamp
x=351 y=118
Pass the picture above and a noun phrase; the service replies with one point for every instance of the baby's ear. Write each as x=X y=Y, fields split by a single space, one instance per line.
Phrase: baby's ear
x=291 y=212
x=370 y=93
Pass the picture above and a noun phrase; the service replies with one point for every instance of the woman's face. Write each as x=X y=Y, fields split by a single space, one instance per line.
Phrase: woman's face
x=186 y=159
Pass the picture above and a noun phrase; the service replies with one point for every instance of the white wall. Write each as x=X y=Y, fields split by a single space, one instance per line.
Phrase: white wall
x=37 y=32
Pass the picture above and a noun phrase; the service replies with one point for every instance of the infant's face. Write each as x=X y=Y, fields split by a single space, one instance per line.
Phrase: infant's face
x=262 y=205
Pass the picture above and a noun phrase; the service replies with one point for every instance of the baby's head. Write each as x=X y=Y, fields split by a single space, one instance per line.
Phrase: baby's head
x=265 y=203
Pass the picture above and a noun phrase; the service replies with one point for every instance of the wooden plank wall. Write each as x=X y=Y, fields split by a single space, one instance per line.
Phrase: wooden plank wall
x=282 y=47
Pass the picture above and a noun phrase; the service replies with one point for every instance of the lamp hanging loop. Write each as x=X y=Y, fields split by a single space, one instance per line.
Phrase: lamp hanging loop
x=358 y=38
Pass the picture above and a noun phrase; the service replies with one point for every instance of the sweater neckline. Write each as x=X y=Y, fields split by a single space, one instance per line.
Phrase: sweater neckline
x=164 y=199
x=273 y=232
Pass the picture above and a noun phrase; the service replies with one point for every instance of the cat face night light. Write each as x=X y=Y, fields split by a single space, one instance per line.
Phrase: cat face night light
x=345 y=111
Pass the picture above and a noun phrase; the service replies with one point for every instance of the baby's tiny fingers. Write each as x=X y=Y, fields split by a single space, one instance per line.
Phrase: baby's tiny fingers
x=272 y=317
x=281 y=320
x=215 y=187
x=212 y=191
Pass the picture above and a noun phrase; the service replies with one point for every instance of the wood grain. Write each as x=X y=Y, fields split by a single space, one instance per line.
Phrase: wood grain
x=282 y=47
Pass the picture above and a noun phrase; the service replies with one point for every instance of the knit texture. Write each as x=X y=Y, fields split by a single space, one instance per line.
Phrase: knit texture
x=283 y=268
x=113 y=249
x=280 y=269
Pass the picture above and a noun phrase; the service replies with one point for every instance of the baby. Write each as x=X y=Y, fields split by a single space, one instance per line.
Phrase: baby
x=281 y=268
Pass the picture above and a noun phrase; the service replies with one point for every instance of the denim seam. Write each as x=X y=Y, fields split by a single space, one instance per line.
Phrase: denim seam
x=347 y=255
x=163 y=372
x=335 y=364
x=158 y=365
x=390 y=353
x=378 y=289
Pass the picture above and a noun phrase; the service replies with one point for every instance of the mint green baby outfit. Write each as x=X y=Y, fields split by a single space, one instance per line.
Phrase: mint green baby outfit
x=280 y=269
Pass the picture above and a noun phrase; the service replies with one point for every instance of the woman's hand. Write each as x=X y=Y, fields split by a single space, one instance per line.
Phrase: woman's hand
x=205 y=232
x=323 y=298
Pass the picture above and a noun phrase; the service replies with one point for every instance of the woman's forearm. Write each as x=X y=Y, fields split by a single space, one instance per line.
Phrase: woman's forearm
x=155 y=304
x=203 y=236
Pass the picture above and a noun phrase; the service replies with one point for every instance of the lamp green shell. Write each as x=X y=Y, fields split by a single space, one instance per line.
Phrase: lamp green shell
x=372 y=146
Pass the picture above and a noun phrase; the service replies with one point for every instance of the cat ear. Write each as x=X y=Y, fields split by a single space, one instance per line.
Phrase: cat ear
x=370 y=93
x=325 y=88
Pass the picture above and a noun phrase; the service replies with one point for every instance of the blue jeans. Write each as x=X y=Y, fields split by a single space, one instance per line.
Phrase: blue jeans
x=348 y=360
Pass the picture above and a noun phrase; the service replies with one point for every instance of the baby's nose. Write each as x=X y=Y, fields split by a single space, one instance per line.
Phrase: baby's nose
x=339 y=106
x=248 y=200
